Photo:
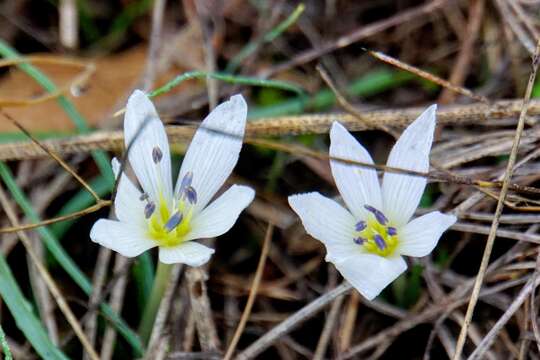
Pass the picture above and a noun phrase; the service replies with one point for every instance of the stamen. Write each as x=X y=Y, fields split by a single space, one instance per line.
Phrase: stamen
x=157 y=155
x=381 y=219
x=143 y=197
x=173 y=221
x=360 y=226
x=186 y=182
x=149 y=209
x=191 y=195
x=379 y=241
x=392 y=231
x=359 y=240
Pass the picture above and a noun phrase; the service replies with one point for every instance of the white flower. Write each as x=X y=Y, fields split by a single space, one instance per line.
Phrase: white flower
x=366 y=242
x=159 y=216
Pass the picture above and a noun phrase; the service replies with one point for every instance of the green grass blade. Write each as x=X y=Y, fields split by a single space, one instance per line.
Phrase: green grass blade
x=5 y=345
x=67 y=263
x=26 y=320
x=228 y=78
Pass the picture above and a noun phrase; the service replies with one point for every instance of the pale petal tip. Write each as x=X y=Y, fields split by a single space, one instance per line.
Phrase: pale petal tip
x=139 y=100
x=137 y=95
x=429 y=115
x=337 y=129
x=238 y=99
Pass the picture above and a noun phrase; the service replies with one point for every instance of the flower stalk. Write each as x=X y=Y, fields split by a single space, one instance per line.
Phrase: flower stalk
x=163 y=274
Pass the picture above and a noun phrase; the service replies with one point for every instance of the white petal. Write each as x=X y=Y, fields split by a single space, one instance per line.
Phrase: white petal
x=369 y=273
x=144 y=131
x=127 y=204
x=420 y=236
x=218 y=217
x=126 y=239
x=357 y=185
x=327 y=221
x=215 y=148
x=189 y=252
x=402 y=193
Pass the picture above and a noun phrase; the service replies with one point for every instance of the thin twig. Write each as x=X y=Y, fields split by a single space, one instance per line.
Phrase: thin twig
x=116 y=302
x=324 y=339
x=252 y=293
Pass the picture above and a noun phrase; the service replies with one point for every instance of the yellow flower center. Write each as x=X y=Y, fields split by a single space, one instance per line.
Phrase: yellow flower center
x=375 y=234
x=159 y=226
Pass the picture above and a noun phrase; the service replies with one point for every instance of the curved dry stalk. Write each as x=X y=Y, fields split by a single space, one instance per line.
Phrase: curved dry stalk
x=252 y=293
x=498 y=211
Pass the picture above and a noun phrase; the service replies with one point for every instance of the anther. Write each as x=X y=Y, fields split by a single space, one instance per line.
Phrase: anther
x=186 y=182
x=149 y=209
x=360 y=226
x=173 y=221
x=359 y=240
x=379 y=241
x=379 y=216
x=392 y=231
x=191 y=195
x=157 y=155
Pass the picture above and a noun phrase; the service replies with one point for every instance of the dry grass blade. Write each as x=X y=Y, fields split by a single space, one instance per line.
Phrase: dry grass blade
x=498 y=211
x=426 y=75
x=252 y=293
x=51 y=285
x=79 y=82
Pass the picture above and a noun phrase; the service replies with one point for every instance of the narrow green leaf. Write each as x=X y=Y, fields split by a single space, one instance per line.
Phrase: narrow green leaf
x=26 y=320
x=57 y=251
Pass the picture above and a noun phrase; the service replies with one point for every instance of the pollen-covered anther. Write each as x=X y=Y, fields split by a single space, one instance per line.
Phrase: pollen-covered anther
x=359 y=240
x=379 y=216
x=173 y=221
x=149 y=209
x=379 y=241
x=186 y=182
x=391 y=231
x=191 y=195
x=360 y=226
x=157 y=154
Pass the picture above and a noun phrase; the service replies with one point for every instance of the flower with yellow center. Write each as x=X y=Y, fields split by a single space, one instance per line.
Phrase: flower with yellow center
x=365 y=242
x=172 y=219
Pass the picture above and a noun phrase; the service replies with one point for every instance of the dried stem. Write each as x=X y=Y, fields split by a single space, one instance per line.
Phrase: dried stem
x=498 y=211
